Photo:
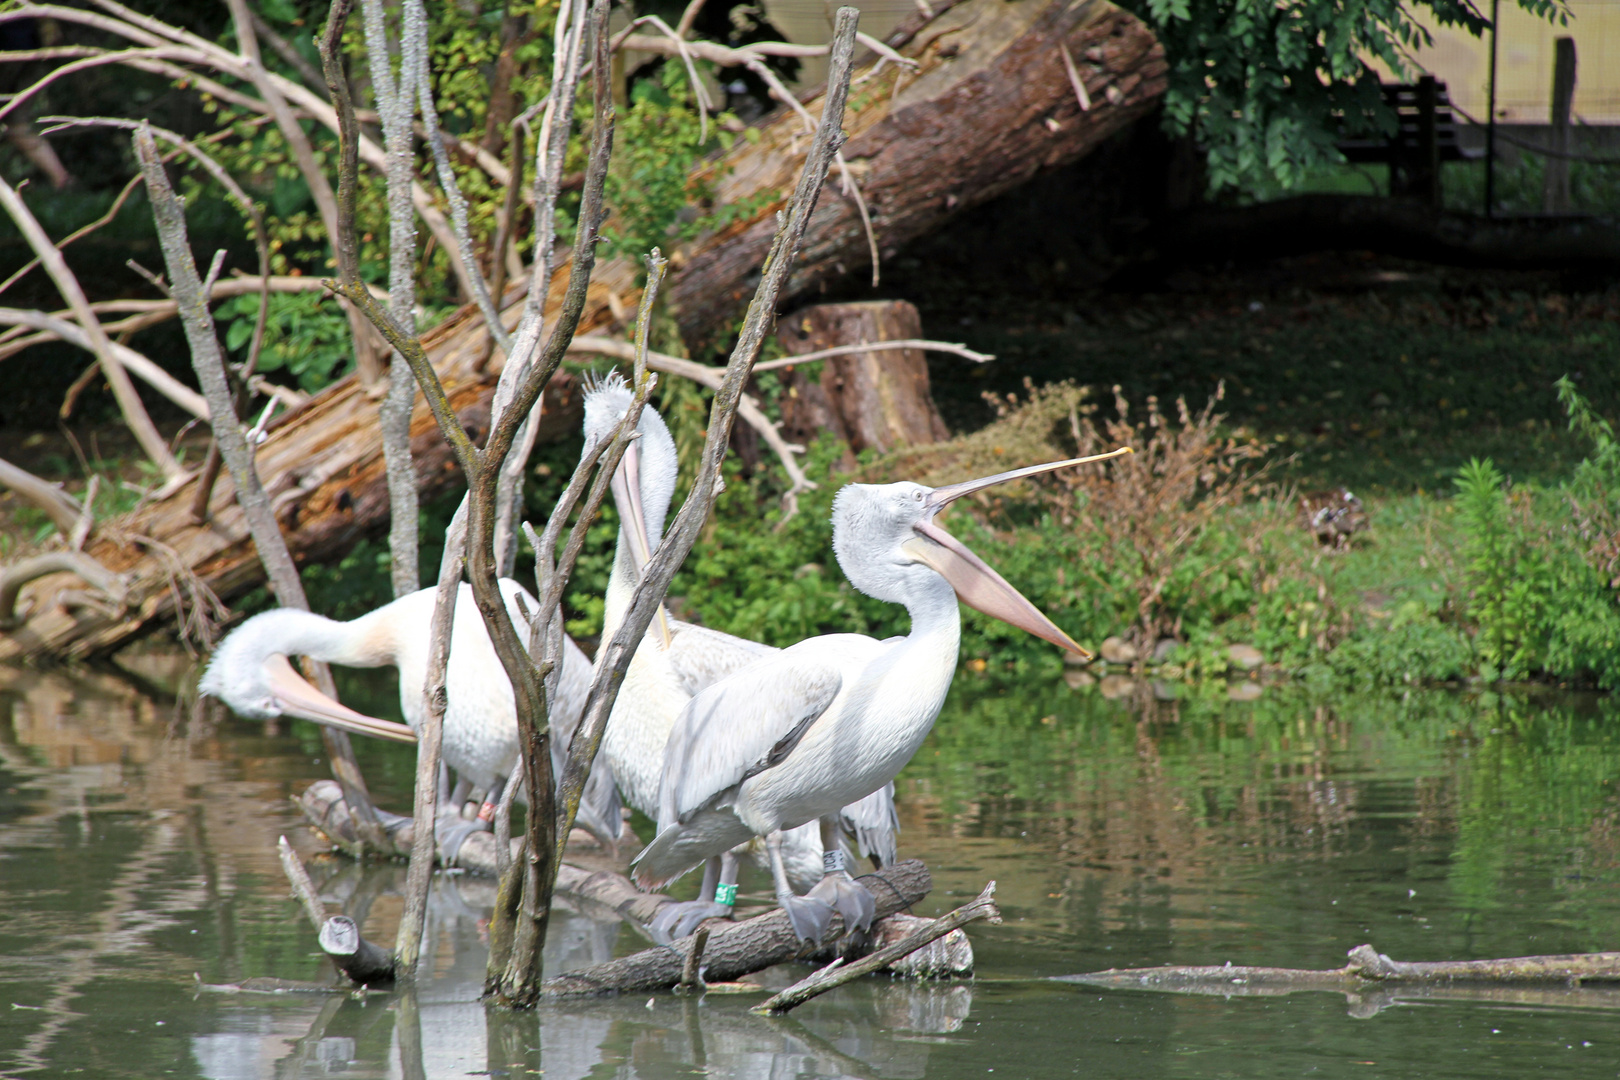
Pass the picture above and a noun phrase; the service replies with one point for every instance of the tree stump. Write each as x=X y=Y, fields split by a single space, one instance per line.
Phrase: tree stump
x=873 y=401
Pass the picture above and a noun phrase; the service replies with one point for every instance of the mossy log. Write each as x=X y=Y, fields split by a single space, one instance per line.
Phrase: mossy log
x=991 y=103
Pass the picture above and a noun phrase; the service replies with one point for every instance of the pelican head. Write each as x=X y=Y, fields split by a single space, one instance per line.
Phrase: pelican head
x=644 y=483
x=890 y=546
x=250 y=673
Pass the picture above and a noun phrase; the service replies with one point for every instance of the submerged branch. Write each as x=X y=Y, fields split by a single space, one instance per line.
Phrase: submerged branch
x=1367 y=965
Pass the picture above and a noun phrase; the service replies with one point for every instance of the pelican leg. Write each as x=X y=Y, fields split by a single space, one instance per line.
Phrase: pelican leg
x=808 y=915
x=458 y=794
x=716 y=900
x=453 y=831
x=837 y=889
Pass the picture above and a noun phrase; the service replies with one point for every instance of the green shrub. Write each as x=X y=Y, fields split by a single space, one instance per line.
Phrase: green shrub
x=1413 y=648
x=1540 y=603
x=1512 y=583
x=305 y=335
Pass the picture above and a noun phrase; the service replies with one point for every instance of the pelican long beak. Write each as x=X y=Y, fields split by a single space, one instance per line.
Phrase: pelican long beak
x=626 y=485
x=298 y=698
x=978 y=586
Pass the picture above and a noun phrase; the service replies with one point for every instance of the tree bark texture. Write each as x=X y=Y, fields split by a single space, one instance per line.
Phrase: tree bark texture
x=990 y=105
x=874 y=401
x=735 y=950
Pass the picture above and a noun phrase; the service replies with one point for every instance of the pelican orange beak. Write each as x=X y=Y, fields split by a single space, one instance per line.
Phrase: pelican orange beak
x=626 y=485
x=297 y=698
x=978 y=586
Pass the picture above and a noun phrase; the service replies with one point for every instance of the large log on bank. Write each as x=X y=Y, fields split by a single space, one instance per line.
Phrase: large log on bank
x=991 y=103
x=323 y=469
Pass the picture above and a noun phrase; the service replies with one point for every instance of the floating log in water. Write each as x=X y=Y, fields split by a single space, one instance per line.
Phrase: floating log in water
x=738 y=949
x=1367 y=966
x=838 y=973
x=734 y=949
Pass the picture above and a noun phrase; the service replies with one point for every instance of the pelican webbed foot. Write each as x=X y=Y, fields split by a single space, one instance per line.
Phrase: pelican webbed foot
x=451 y=831
x=679 y=920
x=840 y=892
x=808 y=915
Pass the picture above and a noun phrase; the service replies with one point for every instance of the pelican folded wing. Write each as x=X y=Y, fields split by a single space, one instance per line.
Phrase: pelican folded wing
x=740 y=727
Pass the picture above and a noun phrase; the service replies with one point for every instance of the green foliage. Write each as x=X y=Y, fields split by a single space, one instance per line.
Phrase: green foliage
x=1413 y=649
x=305 y=335
x=656 y=202
x=1266 y=89
x=1540 y=606
x=1520 y=186
x=1598 y=475
x=1511 y=580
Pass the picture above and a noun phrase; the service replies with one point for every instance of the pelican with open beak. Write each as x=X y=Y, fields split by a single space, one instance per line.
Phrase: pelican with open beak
x=834 y=718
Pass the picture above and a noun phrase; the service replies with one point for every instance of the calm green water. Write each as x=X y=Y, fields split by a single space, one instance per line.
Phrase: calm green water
x=137 y=848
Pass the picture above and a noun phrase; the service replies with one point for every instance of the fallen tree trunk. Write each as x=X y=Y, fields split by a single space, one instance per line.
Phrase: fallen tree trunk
x=990 y=104
x=323 y=469
x=735 y=950
x=608 y=894
x=1367 y=966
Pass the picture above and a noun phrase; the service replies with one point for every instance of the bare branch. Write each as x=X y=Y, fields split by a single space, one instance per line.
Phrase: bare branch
x=288 y=52
x=921 y=344
x=414 y=44
x=151 y=33
x=209 y=363
x=394 y=97
x=1075 y=81
x=419 y=877
x=63 y=509
x=122 y=356
x=14 y=577
x=615 y=655
x=87 y=516
x=261 y=239
x=366 y=355
x=688 y=17
x=838 y=973
x=129 y=402
x=550 y=154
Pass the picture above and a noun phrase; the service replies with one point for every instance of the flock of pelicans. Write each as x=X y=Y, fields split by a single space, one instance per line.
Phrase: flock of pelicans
x=733 y=747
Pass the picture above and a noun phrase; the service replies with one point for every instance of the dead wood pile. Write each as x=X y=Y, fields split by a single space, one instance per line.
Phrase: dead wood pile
x=1001 y=91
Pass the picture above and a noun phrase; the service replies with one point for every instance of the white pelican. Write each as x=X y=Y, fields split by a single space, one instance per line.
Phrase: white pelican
x=676 y=660
x=832 y=719
x=250 y=673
